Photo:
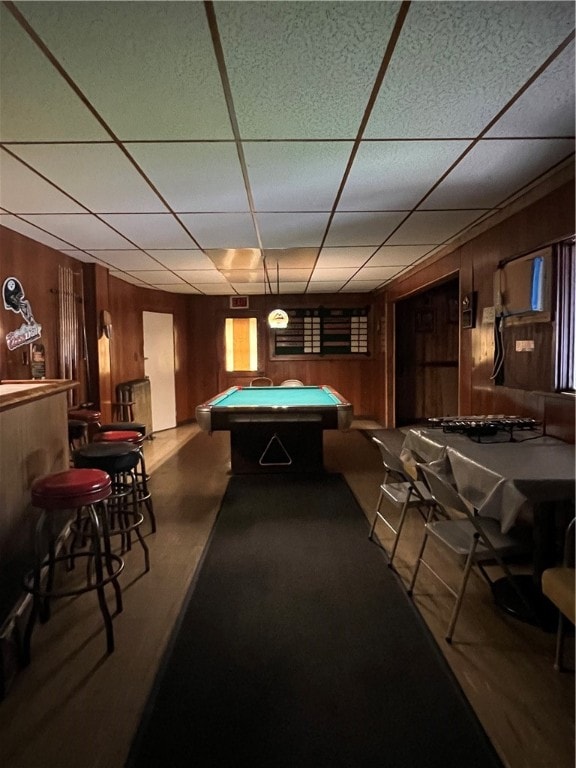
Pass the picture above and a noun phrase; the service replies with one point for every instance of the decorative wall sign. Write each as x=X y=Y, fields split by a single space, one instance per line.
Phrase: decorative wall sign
x=322 y=331
x=15 y=300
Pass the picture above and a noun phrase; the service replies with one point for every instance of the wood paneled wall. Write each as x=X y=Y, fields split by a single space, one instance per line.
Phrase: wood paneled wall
x=546 y=220
x=36 y=266
x=369 y=383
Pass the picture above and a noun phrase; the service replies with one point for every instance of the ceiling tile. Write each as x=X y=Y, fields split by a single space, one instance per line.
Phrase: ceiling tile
x=80 y=230
x=181 y=259
x=241 y=276
x=361 y=286
x=432 y=227
x=23 y=191
x=157 y=277
x=290 y=257
x=236 y=258
x=362 y=228
x=332 y=274
x=395 y=175
x=169 y=61
x=249 y=289
x=319 y=61
x=398 y=255
x=478 y=181
x=547 y=107
x=84 y=171
x=289 y=287
x=37 y=103
x=199 y=276
x=221 y=230
x=194 y=177
x=34 y=232
x=185 y=288
x=126 y=259
x=330 y=287
x=150 y=230
x=457 y=64
x=218 y=289
x=377 y=273
x=289 y=230
x=344 y=256
x=306 y=176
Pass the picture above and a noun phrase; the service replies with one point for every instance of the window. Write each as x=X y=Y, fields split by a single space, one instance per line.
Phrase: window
x=565 y=317
x=241 y=343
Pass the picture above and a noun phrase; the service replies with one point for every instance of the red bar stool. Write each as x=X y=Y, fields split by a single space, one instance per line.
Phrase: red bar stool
x=71 y=490
x=136 y=438
x=91 y=417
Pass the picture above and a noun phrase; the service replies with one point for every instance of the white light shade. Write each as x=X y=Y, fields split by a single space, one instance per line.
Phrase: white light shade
x=278 y=319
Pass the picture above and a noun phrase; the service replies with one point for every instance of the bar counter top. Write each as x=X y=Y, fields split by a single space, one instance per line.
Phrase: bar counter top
x=17 y=392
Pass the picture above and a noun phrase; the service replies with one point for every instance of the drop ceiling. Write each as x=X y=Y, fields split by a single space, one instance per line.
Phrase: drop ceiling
x=250 y=147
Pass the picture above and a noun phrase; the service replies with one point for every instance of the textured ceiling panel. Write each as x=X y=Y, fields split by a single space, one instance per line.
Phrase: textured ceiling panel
x=457 y=64
x=306 y=174
x=156 y=230
x=84 y=171
x=362 y=228
x=210 y=138
x=221 y=230
x=126 y=260
x=79 y=230
x=303 y=70
x=37 y=104
x=389 y=175
x=183 y=259
x=288 y=230
x=22 y=190
x=194 y=177
x=35 y=232
x=169 y=62
x=397 y=255
x=433 y=227
x=478 y=180
x=338 y=257
x=547 y=107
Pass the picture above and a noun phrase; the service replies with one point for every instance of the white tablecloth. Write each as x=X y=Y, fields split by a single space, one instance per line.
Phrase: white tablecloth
x=499 y=478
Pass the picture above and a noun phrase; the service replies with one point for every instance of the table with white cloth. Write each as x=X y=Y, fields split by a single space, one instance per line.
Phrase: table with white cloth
x=530 y=477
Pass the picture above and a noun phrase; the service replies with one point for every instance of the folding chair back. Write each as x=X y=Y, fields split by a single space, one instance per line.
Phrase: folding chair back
x=470 y=537
x=402 y=492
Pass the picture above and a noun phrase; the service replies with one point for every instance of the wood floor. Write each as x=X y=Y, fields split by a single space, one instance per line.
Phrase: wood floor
x=75 y=707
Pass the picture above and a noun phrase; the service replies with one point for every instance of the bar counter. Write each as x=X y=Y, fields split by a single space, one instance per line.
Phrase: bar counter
x=33 y=442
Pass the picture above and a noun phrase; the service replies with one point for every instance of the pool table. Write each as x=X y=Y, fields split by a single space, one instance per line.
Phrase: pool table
x=275 y=429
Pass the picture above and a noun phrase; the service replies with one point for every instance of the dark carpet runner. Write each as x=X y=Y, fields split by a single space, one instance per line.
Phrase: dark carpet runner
x=298 y=648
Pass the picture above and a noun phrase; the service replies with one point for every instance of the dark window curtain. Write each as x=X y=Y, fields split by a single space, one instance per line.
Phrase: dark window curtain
x=565 y=316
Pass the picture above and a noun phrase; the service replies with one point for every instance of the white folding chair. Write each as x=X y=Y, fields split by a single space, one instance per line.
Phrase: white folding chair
x=403 y=492
x=292 y=383
x=472 y=538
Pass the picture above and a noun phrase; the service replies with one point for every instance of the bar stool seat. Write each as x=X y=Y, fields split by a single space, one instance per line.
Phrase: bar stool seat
x=119 y=460
x=136 y=438
x=90 y=416
x=71 y=489
x=124 y=426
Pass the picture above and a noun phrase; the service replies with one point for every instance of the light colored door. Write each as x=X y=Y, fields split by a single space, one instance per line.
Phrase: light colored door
x=159 y=367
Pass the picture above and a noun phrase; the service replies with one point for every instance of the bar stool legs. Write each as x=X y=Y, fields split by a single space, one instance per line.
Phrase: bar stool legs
x=72 y=489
